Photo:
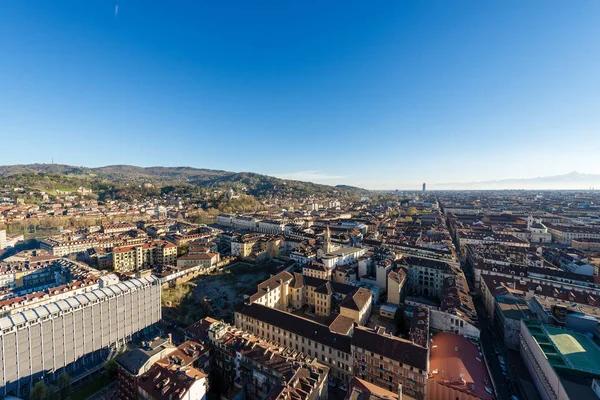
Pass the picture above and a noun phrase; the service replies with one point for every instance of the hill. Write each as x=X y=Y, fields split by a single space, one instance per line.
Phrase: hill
x=261 y=186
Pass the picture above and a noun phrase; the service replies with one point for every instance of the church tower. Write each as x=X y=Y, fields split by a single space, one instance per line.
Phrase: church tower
x=327 y=245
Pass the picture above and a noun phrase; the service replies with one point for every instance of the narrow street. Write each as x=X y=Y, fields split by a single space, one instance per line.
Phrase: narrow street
x=489 y=350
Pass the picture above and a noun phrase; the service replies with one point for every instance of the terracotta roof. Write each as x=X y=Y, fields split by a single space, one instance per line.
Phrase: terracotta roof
x=455 y=362
x=357 y=300
x=363 y=390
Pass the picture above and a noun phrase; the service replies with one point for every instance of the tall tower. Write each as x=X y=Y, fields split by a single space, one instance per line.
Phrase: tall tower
x=424 y=186
x=327 y=246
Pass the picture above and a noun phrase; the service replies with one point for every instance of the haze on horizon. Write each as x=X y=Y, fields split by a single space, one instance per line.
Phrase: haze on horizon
x=382 y=97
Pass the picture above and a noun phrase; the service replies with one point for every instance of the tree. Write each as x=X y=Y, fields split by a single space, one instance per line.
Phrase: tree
x=64 y=386
x=53 y=393
x=111 y=367
x=38 y=392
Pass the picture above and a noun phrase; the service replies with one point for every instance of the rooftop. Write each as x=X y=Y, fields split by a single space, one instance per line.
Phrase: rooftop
x=566 y=349
x=455 y=362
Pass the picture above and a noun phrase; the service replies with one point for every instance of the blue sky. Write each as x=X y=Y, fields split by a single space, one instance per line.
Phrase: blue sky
x=379 y=94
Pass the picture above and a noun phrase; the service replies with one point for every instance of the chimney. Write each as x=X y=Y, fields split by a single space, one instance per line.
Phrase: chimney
x=170 y=338
x=400 y=391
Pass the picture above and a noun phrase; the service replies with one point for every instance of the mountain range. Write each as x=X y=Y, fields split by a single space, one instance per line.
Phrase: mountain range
x=571 y=181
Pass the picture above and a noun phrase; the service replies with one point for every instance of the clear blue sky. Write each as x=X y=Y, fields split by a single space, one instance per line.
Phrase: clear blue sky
x=381 y=94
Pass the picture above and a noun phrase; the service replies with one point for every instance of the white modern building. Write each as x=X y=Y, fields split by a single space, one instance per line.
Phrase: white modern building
x=75 y=333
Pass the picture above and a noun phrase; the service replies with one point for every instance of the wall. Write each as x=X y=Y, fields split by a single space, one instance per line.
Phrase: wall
x=446 y=322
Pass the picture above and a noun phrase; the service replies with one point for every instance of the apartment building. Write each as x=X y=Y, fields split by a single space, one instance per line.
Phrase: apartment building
x=425 y=276
x=70 y=334
x=62 y=247
x=256 y=245
x=150 y=254
x=118 y=228
x=163 y=383
x=300 y=334
x=133 y=364
x=316 y=269
x=262 y=369
x=565 y=234
x=180 y=374
x=389 y=361
x=206 y=260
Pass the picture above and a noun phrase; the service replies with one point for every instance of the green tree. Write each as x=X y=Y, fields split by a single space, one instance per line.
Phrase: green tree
x=53 y=393
x=111 y=367
x=38 y=392
x=64 y=386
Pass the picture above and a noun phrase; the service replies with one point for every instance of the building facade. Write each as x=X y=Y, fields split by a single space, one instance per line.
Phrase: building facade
x=69 y=334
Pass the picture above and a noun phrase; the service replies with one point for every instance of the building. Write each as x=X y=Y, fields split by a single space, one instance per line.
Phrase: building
x=382 y=269
x=457 y=370
x=424 y=186
x=362 y=390
x=290 y=292
x=565 y=234
x=118 y=228
x=181 y=373
x=65 y=246
x=389 y=361
x=342 y=256
x=163 y=383
x=395 y=285
x=206 y=260
x=74 y=334
x=564 y=364
x=579 y=244
x=135 y=363
x=151 y=254
x=456 y=313
x=2 y=239
x=300 y=334
x=425 y=277
x=316 y=269
x=357 y=306
x=260 y=369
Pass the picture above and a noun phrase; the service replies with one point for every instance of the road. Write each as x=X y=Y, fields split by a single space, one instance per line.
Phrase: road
x=106 y=393
x=487 y=347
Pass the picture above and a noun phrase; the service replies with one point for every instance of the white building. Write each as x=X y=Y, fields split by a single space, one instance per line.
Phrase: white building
x=2 y=239
x=342 y=256
x=70 y=334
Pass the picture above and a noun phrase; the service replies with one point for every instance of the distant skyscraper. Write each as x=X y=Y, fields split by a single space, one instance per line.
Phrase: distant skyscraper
x=424 y=186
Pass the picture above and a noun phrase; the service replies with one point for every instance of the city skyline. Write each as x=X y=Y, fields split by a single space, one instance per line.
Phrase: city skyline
x=463 y=92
